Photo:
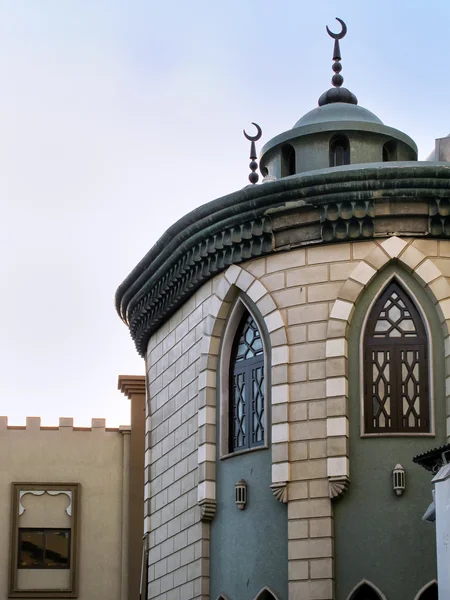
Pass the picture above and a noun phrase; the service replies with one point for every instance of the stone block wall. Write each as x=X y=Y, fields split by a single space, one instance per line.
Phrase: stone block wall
x=178 y=539
x=306 y=298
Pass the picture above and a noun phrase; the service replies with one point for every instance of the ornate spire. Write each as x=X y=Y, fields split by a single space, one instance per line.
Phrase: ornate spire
x=338 y=93
x=253 y=177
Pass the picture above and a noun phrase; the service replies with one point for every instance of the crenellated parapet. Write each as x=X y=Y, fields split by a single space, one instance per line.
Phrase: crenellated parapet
x=33 y=424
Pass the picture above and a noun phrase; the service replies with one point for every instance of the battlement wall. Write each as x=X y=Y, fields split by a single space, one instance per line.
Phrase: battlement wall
x=65 y=424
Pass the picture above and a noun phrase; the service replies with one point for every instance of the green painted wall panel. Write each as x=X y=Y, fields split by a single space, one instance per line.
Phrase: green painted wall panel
x=379 y=536
x=248 y=547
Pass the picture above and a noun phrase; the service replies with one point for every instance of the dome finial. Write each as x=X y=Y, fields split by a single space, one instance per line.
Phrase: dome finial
x=253 y=177
x=337 y=79
x=339 y=94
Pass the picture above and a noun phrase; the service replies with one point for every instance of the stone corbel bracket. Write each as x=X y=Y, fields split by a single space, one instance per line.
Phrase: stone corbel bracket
x=208 y=509
x=23 y=493
x=338 y=485
x=279 y=490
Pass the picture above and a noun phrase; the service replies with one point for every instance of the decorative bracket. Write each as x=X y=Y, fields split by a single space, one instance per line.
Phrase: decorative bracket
x=22 y=493
x=208 y=508
x=338 y=485
x=279 y=490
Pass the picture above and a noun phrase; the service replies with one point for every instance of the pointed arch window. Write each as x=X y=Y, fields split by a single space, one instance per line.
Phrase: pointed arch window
x=365 y=592
x=396 y=397
x=246 y=427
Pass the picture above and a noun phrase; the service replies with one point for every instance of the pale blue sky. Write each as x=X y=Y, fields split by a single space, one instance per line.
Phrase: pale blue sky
x=118 y=117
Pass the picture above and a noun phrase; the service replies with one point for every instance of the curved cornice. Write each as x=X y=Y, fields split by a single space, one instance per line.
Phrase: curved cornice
x=336 y=126
x=352 y=202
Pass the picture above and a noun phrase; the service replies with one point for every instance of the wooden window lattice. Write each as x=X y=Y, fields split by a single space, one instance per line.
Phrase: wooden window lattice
x=395 y=366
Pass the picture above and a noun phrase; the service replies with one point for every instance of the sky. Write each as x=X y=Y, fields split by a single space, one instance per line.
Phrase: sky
x=117 y=117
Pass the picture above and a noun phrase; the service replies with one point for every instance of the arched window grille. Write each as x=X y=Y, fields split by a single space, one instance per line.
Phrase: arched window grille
x=396 y=398
x=429 y=593
x=246 y=413
x=287 y=161
x=365 y=592
x=339 y=151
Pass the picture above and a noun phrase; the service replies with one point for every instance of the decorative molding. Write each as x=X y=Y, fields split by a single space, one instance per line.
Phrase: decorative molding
x=208 y=509
x=131 y=385
x=348 y=220
x=279 y=490
x=23 y=493
x=380 y=199
x=338 y=485
x=199 y=263
x=439 y=217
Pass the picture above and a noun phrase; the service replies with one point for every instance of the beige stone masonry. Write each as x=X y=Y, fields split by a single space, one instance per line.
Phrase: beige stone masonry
x=306 y=298
x=424 y=269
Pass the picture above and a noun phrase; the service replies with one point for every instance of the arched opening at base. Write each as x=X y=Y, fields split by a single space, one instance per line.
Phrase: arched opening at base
x=365 y=591
x=266 y=594
x=429 y=592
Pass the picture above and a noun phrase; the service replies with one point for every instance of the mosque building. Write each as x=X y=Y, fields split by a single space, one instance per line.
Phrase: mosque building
x=296 y=339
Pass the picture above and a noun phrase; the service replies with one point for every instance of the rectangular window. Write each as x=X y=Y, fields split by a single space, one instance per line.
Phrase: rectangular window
x=43 y=549
x=44 y=540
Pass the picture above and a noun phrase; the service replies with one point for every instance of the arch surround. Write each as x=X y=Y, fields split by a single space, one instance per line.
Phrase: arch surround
x=365 y=583
x=266 y=594
x=426 y=587
x=336 y=350
x=234 y=281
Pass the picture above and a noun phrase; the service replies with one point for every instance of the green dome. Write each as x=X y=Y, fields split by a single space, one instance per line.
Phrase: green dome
x=338 y=111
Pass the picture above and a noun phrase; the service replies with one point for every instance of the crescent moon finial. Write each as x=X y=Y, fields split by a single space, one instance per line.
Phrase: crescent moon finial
x=254 y=138
x=340 y=94
x=341 y=34
x=253 y=177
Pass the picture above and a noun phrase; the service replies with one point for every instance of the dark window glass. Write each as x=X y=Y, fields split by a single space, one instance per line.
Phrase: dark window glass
x=395 y=366
x=339 y=151
x=247 y=387
x=431 y=593
x=266 y=595
x=44 y=549
x=287 y=161
x=389 y=151
x=365 y=592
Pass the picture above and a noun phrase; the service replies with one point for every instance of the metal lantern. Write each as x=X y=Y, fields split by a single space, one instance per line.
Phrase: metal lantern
x=240 y=490
x=398 y=480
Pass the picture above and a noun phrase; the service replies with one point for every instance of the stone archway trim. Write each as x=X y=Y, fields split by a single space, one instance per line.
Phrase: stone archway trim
x=430 y=276
x=234 y=279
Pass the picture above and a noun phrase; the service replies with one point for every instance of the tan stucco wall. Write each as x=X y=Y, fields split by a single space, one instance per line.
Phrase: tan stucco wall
x=306 y=298
x=92 y=458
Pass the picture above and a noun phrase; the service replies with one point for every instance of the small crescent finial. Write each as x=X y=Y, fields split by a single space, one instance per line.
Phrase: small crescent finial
x=253 y=177
x=254 y=138
x=341 y=34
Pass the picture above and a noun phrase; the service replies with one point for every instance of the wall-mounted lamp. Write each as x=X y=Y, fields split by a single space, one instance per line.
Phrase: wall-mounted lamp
x=398 y=480
x=240 y=490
